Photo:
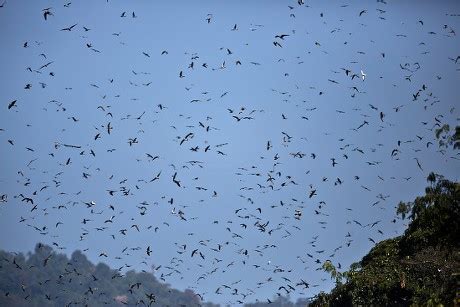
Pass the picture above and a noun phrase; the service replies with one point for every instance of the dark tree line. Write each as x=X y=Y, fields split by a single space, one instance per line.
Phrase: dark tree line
x=46 y=278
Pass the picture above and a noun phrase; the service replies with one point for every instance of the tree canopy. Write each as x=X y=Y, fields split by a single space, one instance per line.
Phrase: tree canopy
x=420 y=267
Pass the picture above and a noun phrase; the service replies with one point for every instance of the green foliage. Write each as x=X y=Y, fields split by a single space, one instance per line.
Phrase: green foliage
x=332 y=270
x=447 y=138
x=419 y=268
x=434 y=217
x=28 y=281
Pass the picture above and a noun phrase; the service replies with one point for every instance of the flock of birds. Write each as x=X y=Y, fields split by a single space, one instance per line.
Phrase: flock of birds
x=134 y=198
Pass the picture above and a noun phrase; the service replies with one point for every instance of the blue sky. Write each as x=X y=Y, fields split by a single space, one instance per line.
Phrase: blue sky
x=286 y=93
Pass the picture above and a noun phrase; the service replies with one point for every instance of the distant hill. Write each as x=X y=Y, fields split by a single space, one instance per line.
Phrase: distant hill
x=46 y=278
x=280 y=301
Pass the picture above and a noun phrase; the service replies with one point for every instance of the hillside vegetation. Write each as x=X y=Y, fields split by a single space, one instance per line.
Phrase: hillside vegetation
x=46 y=278
x=419 y=268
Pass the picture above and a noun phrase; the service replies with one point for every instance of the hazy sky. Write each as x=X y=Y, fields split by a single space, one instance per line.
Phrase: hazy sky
x=296 y=95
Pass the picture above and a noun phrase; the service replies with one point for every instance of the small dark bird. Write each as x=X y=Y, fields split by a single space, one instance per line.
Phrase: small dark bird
x=46 y=13
x=69 y=28
x=12 y=104
x=177 y=182
x=45 y=261
x=281 y=36
x=333 y=162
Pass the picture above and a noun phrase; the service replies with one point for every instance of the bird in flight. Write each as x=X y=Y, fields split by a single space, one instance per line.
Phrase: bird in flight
x=47 y=12
x=177 y=182
x=281 y=36
x=12 y=104
x=69 y=28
